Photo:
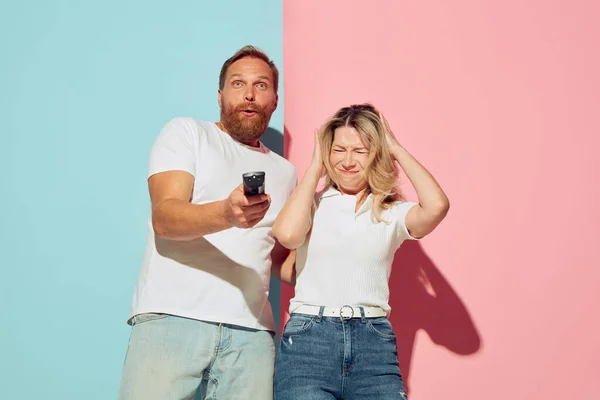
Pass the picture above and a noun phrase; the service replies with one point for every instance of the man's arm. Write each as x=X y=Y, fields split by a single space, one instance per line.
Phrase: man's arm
x=175 y=218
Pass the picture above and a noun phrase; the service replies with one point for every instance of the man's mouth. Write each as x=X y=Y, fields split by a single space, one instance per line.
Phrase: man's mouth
x=249 y=112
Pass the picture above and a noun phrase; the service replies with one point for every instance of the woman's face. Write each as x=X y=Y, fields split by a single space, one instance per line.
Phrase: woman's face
x=349 y=157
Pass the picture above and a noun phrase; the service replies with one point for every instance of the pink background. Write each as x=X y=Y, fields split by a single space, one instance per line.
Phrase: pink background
x=500 y=101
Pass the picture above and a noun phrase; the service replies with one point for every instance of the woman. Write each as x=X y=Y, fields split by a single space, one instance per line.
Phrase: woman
x=338 y=343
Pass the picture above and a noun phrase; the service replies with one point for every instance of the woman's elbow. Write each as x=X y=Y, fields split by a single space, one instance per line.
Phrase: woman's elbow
x=438 y=208
x=288 y=240
x=287 y=237
x=443 y=207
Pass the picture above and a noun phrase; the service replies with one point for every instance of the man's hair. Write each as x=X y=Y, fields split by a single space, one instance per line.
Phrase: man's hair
x=252 y=52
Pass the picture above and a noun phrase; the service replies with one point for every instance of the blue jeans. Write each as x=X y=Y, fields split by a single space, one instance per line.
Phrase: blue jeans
x=173 y=358
x=327 y=358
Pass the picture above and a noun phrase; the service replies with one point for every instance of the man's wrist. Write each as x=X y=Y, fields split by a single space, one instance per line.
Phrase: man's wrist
x=225 y=211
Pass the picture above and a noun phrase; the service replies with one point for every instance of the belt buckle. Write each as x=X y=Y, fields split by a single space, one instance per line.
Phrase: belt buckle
x=342 y=312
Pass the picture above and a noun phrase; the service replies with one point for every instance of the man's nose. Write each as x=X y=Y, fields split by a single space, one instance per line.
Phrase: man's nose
x=249 y=95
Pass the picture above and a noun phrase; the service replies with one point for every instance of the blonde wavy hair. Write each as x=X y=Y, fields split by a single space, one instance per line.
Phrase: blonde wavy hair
x=381 y=172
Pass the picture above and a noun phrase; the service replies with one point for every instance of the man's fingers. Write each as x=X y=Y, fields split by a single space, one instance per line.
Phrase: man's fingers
x=238 y=198
x=257 y=199
x=256 y=209
x=254 y=221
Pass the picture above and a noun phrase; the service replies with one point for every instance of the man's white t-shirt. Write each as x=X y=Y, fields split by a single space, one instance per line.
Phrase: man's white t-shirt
x=347 y=258
x=222 y=277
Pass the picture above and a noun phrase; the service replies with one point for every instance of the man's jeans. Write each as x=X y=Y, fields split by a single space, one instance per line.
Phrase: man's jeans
x=327 y=358
x=172 y=358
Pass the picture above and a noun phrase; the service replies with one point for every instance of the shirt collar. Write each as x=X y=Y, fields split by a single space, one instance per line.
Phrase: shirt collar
x=366 y=206
x=330 y=193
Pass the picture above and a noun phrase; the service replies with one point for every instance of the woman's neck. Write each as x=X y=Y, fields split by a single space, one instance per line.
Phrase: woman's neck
x=361 y=195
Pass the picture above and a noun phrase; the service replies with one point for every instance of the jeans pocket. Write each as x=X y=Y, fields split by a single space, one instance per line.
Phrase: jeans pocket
x=381 y=327
x=298 y=324
x=146 y=317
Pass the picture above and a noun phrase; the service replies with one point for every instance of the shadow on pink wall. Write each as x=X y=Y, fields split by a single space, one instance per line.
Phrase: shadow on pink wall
x=423 y=300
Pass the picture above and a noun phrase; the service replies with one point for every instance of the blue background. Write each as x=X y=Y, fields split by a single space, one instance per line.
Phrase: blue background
x=85 y=87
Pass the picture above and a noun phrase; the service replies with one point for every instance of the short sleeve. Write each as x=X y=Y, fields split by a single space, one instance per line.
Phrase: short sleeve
x=174 y=148
x=315 y=206
x=401 y=211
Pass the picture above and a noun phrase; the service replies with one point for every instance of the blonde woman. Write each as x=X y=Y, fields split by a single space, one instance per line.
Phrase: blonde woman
x=338 y=343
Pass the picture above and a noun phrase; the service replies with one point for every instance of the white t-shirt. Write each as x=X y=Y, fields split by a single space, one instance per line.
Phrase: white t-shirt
x=347 y=257
x=222 y=277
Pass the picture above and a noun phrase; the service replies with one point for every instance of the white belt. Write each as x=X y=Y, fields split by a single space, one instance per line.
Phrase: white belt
x=345 y=312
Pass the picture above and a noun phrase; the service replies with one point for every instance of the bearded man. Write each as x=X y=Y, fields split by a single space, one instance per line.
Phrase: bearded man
x=200 y=317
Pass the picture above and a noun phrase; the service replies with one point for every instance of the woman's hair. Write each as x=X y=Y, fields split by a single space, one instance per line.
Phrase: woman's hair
x=381 y=172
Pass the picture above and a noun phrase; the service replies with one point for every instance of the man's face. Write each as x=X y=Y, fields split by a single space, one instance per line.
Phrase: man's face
x=247 y=99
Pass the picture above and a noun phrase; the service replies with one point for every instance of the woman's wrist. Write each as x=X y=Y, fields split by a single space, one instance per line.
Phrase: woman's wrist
x=315 y=169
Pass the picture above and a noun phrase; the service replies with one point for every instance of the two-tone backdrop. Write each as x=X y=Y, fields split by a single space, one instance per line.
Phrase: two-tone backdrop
x=500 y=100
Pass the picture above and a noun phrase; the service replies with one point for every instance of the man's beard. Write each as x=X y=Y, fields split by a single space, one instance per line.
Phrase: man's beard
x=241 y=128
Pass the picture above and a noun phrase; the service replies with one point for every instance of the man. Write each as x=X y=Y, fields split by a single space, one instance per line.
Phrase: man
x=200 y=315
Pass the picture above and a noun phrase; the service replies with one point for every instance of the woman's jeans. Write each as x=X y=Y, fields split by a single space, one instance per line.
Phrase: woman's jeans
x=334 y=358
